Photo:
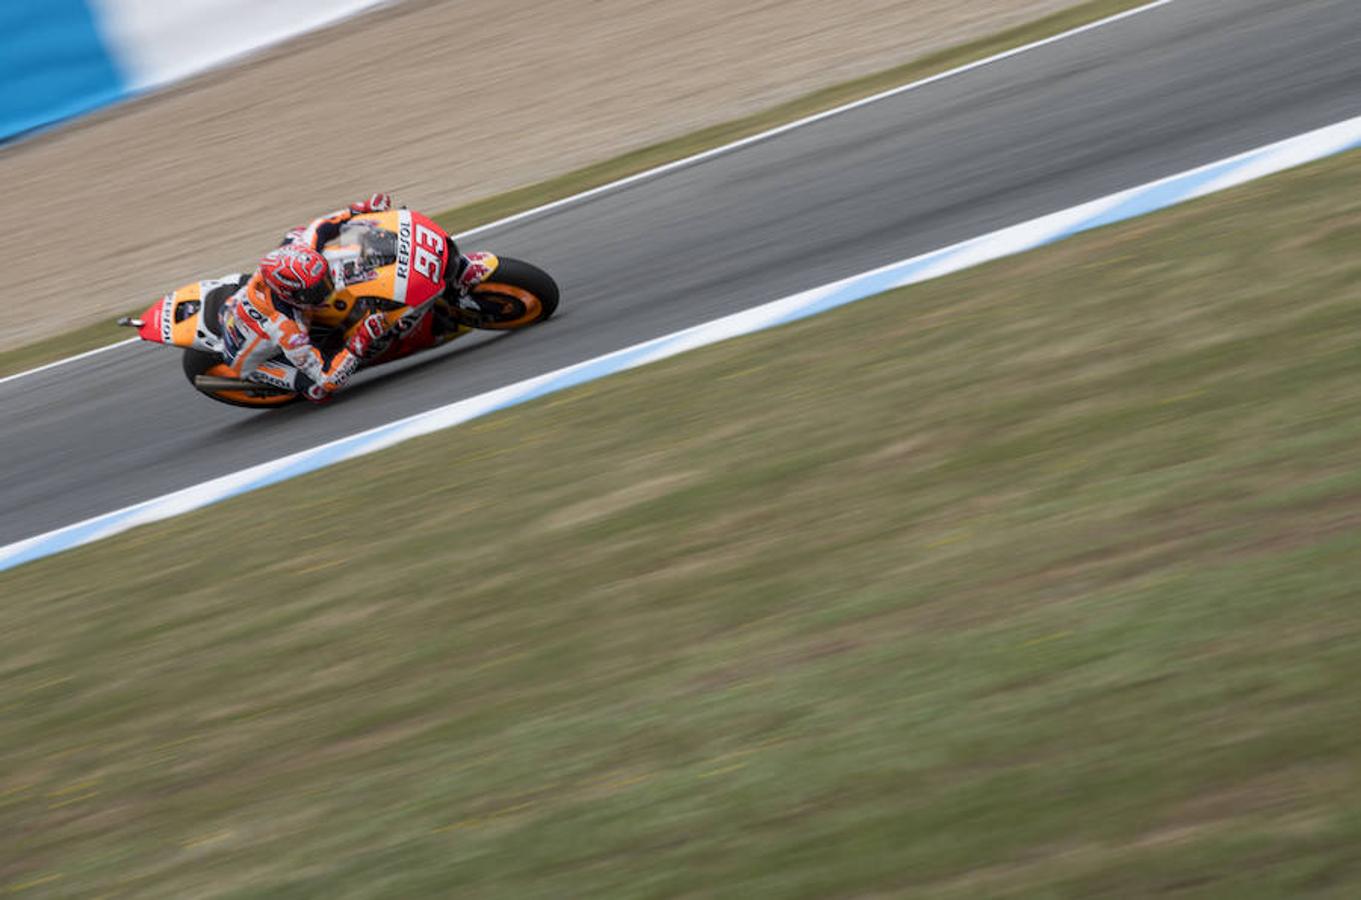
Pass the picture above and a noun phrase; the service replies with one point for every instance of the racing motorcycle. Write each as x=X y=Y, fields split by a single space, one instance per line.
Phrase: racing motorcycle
x=382 y=263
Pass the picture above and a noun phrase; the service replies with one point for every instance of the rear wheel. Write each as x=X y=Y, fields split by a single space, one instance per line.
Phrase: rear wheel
x=201 y=362
x=517 y=294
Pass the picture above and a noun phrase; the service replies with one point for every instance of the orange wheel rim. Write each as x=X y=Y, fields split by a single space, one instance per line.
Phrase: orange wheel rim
x=252 y=400
x=532 y=304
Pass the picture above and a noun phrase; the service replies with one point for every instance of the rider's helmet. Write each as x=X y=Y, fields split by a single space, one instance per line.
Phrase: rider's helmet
x=297 y=276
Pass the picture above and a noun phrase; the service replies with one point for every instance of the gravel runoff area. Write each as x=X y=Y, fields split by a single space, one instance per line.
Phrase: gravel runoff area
x=439 y=102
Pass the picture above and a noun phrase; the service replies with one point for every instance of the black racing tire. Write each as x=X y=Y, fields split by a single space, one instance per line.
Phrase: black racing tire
x=518 y=294
x=201 y=362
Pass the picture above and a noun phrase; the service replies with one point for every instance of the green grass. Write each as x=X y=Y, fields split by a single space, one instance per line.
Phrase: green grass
x=1036 y=581
x=489 y=209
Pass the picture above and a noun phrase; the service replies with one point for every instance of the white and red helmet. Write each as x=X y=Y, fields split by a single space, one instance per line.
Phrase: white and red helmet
x=297 y=275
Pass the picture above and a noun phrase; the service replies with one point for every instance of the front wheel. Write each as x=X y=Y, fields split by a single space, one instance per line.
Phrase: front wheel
x=201 y=362
x=517 y=294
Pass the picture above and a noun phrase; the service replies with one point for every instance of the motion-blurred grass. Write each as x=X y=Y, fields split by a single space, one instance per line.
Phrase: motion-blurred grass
x=1040 y=580
x=489 y=209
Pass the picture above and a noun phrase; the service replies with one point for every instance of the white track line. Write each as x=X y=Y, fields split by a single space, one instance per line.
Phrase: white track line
x=726 y=148
x=69 y=359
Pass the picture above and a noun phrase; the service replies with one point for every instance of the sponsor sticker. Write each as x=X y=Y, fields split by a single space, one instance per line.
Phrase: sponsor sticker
x=168 y=319
x=267 y=377
x=479 y=269
x=403 y=257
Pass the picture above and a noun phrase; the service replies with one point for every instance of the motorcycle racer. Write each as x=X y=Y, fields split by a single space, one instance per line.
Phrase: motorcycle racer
x=268 y=317
x=469 y=269
x=303 y=321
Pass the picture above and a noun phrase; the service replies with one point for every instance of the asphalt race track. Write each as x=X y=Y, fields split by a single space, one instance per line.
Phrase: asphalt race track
x=1149 y=96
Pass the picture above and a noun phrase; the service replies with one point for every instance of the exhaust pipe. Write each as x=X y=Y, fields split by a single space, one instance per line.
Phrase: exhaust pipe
x=210 y=384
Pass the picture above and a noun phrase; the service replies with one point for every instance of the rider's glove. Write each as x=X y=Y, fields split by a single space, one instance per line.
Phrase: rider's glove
x=335 y=380
x=368 y=337
x=375 y=203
